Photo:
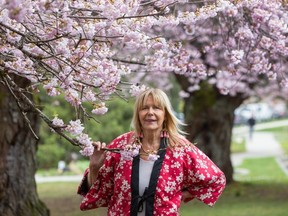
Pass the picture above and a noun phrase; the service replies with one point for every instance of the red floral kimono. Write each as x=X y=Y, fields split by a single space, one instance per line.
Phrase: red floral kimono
x=181 y=168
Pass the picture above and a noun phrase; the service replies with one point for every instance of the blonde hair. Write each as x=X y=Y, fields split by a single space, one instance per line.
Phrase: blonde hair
x=171 y=123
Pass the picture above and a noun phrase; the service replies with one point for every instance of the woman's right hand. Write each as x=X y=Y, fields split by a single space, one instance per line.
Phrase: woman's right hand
x=96 y=161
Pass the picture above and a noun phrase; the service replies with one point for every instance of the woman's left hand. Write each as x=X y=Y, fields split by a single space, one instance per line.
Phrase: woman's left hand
x=96 y=161
x=186 y=196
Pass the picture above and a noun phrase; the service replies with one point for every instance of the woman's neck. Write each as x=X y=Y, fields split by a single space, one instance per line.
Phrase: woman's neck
x=151 y=140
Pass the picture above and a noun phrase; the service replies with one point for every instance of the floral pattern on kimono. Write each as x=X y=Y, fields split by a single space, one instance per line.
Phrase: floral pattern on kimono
x=184 y=168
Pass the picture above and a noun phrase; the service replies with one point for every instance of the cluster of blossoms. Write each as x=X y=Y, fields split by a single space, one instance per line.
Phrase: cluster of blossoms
x=153 y=157
x=245 y=40
x=58 y=122
x=86 y=144
x=100 y=109
x=75 y=128
x=130 y=151
x=137 y=89
x=239 y=53
x=82 y=49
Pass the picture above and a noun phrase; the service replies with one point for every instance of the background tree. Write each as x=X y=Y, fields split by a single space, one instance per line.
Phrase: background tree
x=243 y=42
x=18 y=157
x=82 y=50
x=231 y=50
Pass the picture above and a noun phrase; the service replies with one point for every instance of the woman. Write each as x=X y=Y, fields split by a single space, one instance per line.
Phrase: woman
x=150 y=170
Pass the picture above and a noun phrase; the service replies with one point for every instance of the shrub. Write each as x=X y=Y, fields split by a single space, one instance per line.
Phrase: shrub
x=48 y=156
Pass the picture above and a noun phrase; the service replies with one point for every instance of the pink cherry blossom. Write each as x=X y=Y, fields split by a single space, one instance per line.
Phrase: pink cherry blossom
x=153 y=157
x=83 y=50
x=137 y=89
x=130 y=151
x=57 y=122
x=100 y=109
x=87 y=150
x=75 y=127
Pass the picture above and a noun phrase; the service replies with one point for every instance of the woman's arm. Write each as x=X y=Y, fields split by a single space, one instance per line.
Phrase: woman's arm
x=202 y=178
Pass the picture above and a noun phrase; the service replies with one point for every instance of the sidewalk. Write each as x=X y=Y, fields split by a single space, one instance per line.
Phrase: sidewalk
x=263 y=144
x=64 y=178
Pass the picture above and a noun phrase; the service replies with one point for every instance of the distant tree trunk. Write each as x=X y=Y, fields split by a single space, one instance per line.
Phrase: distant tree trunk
x=210 y=118
x=18 y=195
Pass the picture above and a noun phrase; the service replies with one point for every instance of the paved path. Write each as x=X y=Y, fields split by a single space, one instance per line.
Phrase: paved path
x=262 y=144
x=64 y=178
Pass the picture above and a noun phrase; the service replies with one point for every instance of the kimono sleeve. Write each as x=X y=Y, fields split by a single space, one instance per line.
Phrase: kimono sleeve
x=202 y=178
x=99 y=194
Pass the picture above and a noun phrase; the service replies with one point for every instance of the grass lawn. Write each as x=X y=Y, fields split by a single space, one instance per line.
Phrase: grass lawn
x=245 y=199
x=238 y=144
x=263 y=192
x=281 y=135
x=238 y=199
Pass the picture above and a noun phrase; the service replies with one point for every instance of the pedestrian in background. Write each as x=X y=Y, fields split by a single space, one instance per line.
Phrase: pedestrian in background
x=251 y=123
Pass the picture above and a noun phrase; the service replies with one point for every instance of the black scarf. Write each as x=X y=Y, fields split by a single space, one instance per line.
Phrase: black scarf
x=149 y=193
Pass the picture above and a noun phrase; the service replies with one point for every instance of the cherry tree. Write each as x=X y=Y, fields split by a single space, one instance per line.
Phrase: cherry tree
x=231 y=50
x=243 y=53
x=69 y=48
x=222 y=50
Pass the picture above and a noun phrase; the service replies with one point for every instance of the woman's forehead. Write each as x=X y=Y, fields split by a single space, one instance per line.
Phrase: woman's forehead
x=152 y=99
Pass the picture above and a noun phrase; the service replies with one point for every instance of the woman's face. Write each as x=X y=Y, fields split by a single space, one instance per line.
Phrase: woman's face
x=151 y=116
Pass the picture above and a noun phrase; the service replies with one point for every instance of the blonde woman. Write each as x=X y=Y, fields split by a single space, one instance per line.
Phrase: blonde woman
x=150 y=170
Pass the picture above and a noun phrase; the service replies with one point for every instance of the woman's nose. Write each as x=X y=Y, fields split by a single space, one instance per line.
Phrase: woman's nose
x=150 y=110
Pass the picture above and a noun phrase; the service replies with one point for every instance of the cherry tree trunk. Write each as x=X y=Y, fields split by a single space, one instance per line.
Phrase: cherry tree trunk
x=210 y=118
x=18 y=195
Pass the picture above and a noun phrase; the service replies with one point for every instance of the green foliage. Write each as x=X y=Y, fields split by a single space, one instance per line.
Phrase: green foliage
x=112 y=124
x=48 y=155
x=105 y=128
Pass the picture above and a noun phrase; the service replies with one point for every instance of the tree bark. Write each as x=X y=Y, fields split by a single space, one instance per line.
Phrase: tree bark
x=18 y=195
x=209 y=117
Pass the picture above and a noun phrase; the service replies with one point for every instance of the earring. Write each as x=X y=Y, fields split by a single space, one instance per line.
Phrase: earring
x=141 y=134
x=164 y=133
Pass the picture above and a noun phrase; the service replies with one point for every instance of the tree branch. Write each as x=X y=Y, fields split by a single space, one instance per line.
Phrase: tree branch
x=21 y=109
x=9 y=82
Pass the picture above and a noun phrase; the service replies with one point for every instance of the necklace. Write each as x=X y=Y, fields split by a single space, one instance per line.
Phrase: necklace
x=152 y=154
x=149 y=151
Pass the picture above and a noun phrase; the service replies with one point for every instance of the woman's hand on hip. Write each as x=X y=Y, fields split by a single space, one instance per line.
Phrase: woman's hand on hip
x=186 y=196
